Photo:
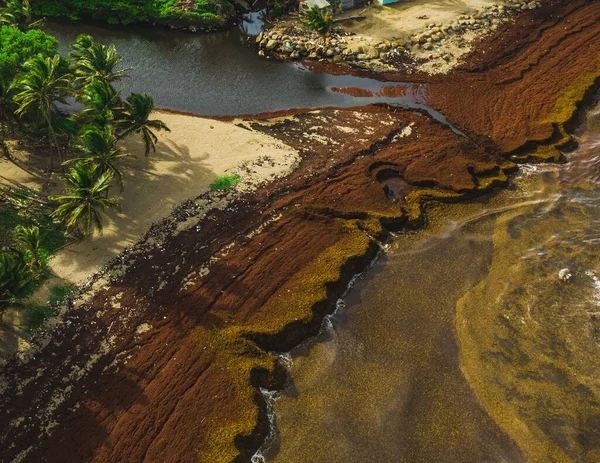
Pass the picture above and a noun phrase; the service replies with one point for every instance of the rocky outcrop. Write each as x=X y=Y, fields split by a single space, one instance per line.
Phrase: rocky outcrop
x=296 y=43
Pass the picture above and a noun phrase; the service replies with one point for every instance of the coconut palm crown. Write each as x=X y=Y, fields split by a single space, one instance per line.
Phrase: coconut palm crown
x=93 y=61
x=39 y=88
x=82 y=206
x=97 y=145
x=17 y=13
x=136 y=119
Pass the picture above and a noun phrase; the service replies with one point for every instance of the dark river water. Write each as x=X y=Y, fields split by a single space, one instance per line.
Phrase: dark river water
x=213 y=74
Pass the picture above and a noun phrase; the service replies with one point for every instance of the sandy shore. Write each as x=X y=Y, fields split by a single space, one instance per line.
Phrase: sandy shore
x=187 y=160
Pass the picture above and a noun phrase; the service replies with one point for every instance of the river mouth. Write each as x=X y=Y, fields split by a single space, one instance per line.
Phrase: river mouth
x=216 y=75
x=474 y=340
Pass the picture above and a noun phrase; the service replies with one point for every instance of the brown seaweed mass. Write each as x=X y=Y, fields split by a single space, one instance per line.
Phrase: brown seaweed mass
x=188 y=390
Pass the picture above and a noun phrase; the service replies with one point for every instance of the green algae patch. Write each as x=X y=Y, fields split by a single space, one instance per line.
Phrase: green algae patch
x=565 y=112
x=527 y=342
x=294 y=302
x=242 y=364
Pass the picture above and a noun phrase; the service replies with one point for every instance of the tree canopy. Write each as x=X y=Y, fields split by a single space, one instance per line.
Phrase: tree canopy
x=17 y=47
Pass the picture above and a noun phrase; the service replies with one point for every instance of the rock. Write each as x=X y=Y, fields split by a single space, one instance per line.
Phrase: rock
x=427 y=46
x=313 y=55
x=564 y=274
x=295 y=55
x=372 y=52
x=271 y=44
x=274 y=36
x=362 y=57
x=337 y=59
x=261 y=53
x=259 y=37
x=264 y=42
x=329 y=52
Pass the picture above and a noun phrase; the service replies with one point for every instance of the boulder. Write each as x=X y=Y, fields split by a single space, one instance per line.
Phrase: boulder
x=372 y=52
x=272 y=44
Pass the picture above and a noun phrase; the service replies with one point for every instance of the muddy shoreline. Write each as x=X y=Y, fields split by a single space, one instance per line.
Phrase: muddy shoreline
x=260 y=275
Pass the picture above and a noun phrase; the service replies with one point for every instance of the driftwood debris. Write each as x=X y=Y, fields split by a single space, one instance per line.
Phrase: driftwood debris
x=348 y=18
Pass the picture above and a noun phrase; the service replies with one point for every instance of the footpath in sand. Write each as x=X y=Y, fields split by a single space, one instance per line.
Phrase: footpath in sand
x=164 y=362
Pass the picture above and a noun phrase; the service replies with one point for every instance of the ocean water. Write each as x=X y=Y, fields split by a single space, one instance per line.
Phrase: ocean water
x=475 y=340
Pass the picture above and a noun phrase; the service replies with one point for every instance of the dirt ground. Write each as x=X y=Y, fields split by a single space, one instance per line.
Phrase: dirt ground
x=402 y=19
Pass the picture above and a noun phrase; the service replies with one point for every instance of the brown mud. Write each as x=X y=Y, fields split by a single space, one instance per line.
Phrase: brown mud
x=164 y=362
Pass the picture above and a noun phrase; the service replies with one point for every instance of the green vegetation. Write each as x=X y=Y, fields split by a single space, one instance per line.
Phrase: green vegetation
x=28 y=236
x=60 y=293
x=35 y=315
x=85 y=198
x=130 y=11
x=16 y=47
x=18 y=13
x=136 y=119
x=225 y=182
x=34 y=82
x=318 y=20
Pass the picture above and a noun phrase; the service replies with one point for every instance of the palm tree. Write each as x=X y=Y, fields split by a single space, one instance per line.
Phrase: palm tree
x=79 y=47
x=93 y=61
x=103 y=103
x=98 y=146
x=39 y=89
x=29 y=240
x=136 y=119
x=17 y=13
x=84 y=202
x=14 y=276
x=7 y=105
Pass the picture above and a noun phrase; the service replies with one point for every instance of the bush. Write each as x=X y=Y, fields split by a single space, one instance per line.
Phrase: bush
x=225 y=182
x=16 y=47
x=60 y=293
x=35 y=315
x=129 y=11
x=320 y=21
